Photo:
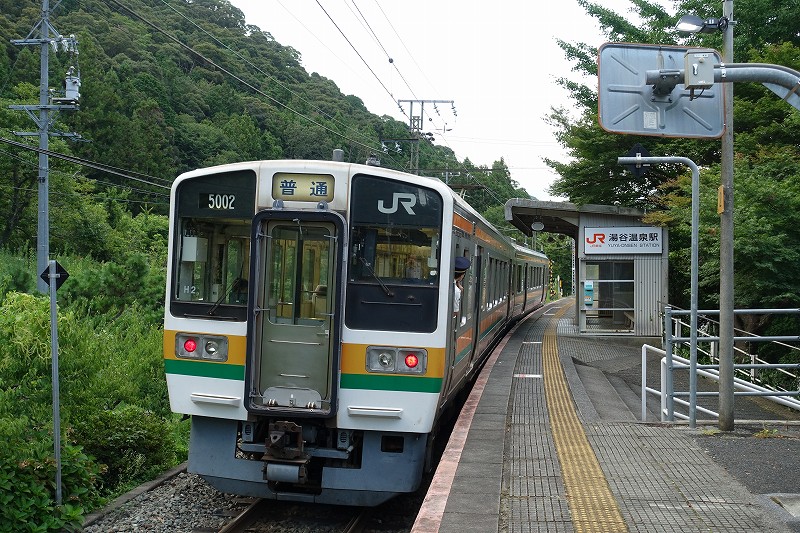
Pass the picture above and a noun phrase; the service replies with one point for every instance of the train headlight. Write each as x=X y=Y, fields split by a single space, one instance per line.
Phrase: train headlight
x=393 y=360
x=212 y=347
x=201 y=347
x=386 y=360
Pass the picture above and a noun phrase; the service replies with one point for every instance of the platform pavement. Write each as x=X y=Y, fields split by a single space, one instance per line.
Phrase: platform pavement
x=501 y=471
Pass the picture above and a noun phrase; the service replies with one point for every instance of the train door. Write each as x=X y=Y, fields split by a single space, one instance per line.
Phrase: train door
x=294 y=346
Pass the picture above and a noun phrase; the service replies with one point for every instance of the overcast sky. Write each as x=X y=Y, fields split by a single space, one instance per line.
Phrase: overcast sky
x=497 y=61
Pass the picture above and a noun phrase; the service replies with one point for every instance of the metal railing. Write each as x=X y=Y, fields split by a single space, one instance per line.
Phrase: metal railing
x=747 y=384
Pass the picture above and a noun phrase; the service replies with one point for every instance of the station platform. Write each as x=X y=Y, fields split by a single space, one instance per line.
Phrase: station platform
x=548 y=442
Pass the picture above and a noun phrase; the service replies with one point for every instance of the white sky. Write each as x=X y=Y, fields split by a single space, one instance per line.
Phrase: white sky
x=498 y=61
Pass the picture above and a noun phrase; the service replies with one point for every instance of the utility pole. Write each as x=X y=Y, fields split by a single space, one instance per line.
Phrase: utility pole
x=415 y=123
x=41 y=115
x=726 y=300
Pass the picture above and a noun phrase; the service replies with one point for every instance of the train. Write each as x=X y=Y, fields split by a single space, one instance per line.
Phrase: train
x=310 y=332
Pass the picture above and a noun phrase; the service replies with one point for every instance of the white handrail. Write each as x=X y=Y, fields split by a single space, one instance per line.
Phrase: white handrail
x=680 y=362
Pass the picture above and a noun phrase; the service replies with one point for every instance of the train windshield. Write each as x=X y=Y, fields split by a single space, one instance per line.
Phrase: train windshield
x=393 y=267
x=212 y=254
x=214 y=261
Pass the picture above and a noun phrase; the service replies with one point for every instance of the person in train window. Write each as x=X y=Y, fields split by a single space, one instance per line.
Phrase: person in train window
x=413 y=269
x=459 y=270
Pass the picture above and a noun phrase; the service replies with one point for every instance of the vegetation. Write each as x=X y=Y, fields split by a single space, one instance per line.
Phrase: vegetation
x=184 y=84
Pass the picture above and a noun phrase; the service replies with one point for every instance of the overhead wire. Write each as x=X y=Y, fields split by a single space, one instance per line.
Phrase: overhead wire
x=378 y=40
x=55 y=201
x=239 y=79
x=254 y=66
x=363 y=60
x=34 y=164
x=87 y=163
x=442 y=136
x=388 y=56
x=410 y=55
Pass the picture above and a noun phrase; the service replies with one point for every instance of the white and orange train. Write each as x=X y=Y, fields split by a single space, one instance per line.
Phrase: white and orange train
x=309 y=329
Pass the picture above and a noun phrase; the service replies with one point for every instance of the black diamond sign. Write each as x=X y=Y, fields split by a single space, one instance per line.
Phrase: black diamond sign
x=61 y=275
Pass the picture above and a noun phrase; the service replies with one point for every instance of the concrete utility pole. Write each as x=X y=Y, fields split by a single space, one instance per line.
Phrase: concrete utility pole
x=48 y=36
x=415 y=127
x=726 y=301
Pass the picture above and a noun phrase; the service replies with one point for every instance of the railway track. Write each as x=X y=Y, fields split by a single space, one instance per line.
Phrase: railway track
x=184 y=503
x=266 y=516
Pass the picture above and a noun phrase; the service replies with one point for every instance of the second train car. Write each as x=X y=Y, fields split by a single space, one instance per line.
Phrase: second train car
x=309 y=328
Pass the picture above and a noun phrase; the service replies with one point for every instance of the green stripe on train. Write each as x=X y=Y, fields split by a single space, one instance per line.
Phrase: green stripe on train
x=203 y=369
x=398 y=383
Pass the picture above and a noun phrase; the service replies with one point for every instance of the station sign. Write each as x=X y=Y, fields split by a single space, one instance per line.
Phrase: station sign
x=623 y=240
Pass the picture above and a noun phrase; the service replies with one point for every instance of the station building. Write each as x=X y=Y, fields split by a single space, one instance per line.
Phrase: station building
x=620 y=269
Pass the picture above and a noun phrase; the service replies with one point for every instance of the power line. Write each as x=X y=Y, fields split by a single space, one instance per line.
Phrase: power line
x=363 y=60
x=84 y=162
x=404 y=44
x=388 y=56
x=268 y=75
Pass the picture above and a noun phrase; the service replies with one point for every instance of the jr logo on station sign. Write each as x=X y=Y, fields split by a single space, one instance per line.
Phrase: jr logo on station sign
x=632 y=240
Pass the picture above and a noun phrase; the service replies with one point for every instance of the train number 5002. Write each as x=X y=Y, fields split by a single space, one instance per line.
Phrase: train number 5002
x=221 y=201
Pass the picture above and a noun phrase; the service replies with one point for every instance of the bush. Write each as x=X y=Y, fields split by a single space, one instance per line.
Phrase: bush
x=132 y=443
x=16 y=274
x=109 y=288
x=27 y=481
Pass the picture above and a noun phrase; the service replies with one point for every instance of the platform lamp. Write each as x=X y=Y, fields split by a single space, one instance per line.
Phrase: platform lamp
x=695 y=24
x=536 y=226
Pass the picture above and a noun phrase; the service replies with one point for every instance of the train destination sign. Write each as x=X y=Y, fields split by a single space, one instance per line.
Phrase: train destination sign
x=302 y=187
x=630 y=240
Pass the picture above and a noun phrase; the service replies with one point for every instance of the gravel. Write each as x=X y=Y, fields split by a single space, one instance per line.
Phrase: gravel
x=180 y=503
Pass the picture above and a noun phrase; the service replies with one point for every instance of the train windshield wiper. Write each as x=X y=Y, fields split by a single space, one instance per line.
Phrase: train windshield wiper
x=236 y=285
x=386 y=289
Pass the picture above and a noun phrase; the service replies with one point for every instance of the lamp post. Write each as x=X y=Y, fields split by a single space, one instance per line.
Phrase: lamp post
x=692 y=23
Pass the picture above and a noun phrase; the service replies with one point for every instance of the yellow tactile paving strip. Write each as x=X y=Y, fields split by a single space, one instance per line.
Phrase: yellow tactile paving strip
x=592 y=506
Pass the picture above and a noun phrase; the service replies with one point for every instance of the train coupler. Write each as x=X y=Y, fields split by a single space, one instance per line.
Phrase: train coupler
x=285 y=440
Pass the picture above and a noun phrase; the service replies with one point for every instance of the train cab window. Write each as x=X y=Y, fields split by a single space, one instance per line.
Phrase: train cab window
x=211 y=255
x=393 y=266
x=213 y=262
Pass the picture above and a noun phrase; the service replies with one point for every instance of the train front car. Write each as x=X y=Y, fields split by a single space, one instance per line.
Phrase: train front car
x=331 y=380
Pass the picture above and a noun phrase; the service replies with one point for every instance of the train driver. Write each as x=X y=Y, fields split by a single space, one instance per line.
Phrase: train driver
x=459 y=270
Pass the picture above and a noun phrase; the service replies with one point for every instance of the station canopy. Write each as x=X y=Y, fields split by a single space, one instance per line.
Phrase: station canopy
x=558 y=217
